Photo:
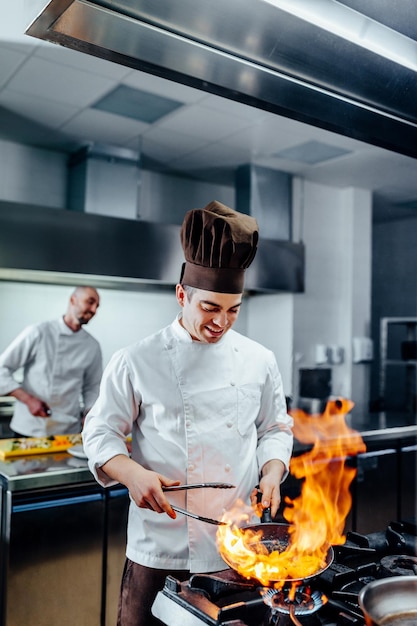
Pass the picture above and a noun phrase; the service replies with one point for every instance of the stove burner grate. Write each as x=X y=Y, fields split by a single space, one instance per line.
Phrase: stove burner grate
x=398 y=565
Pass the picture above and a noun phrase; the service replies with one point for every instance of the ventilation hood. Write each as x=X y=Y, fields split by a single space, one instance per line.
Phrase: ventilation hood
x=59 y=246
x=347 y=66
x=86 y=240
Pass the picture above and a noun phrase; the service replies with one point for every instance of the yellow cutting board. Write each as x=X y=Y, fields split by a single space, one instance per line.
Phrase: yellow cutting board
x=10 y=448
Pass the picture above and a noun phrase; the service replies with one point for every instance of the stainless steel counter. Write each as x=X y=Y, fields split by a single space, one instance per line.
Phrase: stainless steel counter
x=61 y=469
x=380 y=430
x=76 y=542
x=44 y=470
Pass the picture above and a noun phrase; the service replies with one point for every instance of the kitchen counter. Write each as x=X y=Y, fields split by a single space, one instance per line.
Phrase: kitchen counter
x=62 y=469
x=44 y=470
x=76 y=542
x=379 y=430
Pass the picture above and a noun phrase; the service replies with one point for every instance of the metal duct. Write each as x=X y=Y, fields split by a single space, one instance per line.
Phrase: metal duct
x=265 y=194
x=105 y=180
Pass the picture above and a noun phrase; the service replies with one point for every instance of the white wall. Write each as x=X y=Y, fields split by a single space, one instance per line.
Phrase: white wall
x=336 y=228
x=122 y=318
x=270 y=321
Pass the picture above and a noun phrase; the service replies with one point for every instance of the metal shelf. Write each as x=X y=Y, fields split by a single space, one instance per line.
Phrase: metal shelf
x=409 y=365
x=400 y=362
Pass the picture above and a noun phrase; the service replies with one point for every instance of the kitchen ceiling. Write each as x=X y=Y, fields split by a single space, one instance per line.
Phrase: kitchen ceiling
x=59 y=98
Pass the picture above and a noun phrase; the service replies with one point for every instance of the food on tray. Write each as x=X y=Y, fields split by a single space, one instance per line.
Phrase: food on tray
x=37 y=445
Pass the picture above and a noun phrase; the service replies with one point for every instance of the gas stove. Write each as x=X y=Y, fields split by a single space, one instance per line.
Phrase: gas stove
x=331 y=599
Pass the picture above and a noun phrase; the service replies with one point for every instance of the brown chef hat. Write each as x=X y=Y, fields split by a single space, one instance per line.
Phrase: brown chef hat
x=219 y=244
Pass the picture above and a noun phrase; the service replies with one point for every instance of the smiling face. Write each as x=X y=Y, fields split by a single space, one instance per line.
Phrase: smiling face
x=207 y=315
x=82 y=307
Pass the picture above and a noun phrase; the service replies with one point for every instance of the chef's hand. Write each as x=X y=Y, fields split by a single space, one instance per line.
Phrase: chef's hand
x=37 y=407
x=145 y=486
x=269 y=486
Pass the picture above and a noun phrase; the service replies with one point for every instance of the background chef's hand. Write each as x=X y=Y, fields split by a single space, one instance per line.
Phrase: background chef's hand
x=270 y=486
x=37 y=407
x=145 y=486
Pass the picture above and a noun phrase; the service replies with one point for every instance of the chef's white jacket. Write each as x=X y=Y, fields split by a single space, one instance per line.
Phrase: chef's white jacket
x=61 y=367
x=197 y=413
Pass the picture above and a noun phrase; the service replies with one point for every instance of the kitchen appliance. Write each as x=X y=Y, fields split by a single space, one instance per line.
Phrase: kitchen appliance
x=331 y=599
x=315 y=387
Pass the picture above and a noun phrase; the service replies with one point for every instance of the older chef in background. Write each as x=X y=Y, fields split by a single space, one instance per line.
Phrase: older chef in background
x=62 y=368
x=203 y=404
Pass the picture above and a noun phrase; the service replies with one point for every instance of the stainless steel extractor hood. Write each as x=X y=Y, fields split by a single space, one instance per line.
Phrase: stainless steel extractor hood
x=347 y=66
x=68 y=247
x=60 y=246
x=86 y=243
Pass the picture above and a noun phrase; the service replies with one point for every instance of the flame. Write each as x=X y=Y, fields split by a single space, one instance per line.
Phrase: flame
x=316 y=517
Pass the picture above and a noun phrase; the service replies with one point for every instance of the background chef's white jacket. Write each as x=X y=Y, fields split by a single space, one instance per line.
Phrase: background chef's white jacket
x=61 y=367
x=197 y=413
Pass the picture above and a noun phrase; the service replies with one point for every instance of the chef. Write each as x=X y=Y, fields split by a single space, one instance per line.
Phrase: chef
x=203 y=404
x=62 y=366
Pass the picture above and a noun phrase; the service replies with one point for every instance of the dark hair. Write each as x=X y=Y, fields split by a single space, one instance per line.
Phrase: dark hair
x=190 y=291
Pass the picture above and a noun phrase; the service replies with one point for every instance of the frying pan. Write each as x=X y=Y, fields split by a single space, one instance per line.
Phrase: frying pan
x=391 y=601
x=276 y=537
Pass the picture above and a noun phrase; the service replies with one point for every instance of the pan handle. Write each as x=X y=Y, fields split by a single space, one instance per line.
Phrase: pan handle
x=266 y=516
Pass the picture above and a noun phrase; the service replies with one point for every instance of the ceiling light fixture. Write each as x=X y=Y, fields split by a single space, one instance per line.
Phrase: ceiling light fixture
x=311 y=152
x=353 y=26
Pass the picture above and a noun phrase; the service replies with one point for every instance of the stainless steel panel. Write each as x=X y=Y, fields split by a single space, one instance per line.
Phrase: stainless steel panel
x=44 y=239
x=52 y=566
x=375 y=489
x=85 y=246
x=278 y=266
x=43 y=471
x=266 y=194
x=408 y=486
x=117 y=511
x=101 y=177
x=251 y=52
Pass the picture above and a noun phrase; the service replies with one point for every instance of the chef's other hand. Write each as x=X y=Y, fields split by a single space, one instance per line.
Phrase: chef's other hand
x=270 y=487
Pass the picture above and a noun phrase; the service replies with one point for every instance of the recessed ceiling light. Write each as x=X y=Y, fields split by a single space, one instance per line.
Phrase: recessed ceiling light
x=311 y=152
x=139 y=105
